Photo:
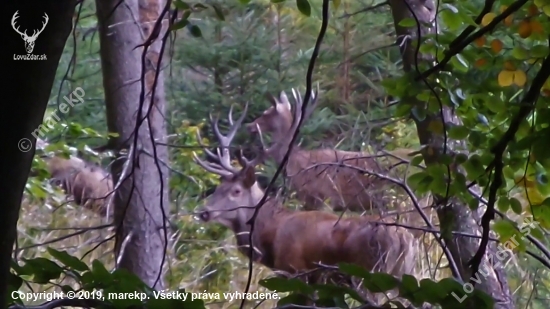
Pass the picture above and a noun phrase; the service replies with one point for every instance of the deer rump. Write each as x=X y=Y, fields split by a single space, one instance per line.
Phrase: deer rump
x=89 y=184
x=319 y=174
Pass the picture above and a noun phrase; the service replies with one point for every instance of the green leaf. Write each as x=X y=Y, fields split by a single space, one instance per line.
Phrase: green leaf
x=539 y=51
x=408 y=287
x=458 y=132
x=515 y=204
x=431 y=291
x=416 y=161
x=403 y=109
x=182 y=22
x=354 y=270
x=286 y=285
x=414 y=179
x=304 y=7
x=68 y=260
x=460 y=63
x=383 y=282
x=505 y=229
x=100 y=273
x=453 y=20
x=503 y=204
x=218 y=11
x=474 y=168
x=419 y=113
x=244 y=1
x=43 y=270
x=520 y=53
x=336 y=4
x=407 y=22
x=294 y=299
x=180 y=5
x=195 y=30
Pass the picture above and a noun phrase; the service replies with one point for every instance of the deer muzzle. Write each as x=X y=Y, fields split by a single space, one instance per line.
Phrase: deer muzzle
x=204 y=215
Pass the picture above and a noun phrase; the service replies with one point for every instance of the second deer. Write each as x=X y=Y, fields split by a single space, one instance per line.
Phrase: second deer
x=292 y=241
x=318 y=174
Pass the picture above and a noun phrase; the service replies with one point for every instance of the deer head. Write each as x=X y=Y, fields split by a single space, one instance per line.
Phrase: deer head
x=29 y=40
x=279 y=119
x=233 y=201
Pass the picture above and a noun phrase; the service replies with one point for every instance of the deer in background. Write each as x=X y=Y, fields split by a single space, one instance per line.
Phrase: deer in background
x=314 y=181
x=294 y=241
x=89 y=184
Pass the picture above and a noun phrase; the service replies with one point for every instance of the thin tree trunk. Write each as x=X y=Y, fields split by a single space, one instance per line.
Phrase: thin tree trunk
x=28 y=88
x=456 y=215
x=141 y=202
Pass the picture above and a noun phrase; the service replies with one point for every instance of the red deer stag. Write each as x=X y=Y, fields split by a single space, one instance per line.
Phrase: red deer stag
x=88 y=183
x=313 y=181
x=294 y=241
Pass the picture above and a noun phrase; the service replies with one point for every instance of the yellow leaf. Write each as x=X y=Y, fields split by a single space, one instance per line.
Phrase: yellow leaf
x=430 y=151
x=436 y=127
x=540 y=3
x=521 y=181
x=505 y=78
x=336 y=4
x=534 y=196
x=520 y=78
x=488 y=18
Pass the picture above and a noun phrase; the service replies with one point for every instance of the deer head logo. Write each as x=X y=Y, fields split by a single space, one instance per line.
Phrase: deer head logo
x=29 y=40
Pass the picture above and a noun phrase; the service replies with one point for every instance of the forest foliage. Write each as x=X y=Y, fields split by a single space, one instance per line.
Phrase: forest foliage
x=226 y=53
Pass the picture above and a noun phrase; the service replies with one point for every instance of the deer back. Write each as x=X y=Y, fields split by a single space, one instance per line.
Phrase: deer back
x=322 y=174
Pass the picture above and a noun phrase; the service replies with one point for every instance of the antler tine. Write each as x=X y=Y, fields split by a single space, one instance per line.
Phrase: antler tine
x=263 y=152
x=16 y=28
x=205 y=148
x=313 y=103
x=299 y=103
x=211 y=167
x=225 y=141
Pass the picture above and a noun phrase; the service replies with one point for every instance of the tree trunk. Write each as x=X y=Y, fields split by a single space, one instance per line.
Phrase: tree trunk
x=28 y=88
x=455 y=215
x=141 y=202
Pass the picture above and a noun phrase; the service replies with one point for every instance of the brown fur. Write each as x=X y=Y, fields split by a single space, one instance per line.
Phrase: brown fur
x=294 y=241
x=87 y=183
x=313 y=179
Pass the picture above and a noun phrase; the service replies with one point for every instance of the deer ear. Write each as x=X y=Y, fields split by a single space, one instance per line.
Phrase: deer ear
x=271 y=99
x=249 y=176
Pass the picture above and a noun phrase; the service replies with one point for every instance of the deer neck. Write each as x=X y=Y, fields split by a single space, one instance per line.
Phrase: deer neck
x=263 y=234
x=281 y=142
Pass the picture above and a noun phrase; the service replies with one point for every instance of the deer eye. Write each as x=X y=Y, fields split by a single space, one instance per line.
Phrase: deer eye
x=236 y=191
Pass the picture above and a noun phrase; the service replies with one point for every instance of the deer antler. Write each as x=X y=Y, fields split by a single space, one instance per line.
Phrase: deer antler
x=15 y=16
x=224 y=168
x=44 y=23
x=298 y=107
